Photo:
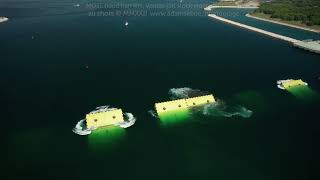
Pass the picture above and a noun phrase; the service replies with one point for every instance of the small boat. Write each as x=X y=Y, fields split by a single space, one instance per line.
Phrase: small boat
x=3 y=19
x=126 y=24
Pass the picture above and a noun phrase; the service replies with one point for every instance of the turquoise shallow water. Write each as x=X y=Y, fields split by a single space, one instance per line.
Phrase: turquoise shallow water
x=48 y=89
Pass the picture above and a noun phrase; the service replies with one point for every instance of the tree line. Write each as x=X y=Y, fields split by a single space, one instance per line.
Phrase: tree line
x=305 y=11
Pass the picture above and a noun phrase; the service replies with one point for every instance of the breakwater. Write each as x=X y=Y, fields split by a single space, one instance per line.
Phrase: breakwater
x=274 y=35
x=210 y=7
x=312 y=46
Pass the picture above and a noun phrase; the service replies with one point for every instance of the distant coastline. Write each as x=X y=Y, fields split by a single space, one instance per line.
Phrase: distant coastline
x=238 y=4
x=284 y=23
x=210 y=7
x=293 y=13
x=3 y=19
x=255 y=4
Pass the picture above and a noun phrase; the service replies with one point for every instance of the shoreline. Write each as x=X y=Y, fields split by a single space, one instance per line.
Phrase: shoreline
x=283 y=23
x=3 y=19
x=210 y=7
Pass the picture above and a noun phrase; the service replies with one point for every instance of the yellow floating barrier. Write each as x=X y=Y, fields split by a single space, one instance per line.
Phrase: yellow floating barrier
x=292 y=83
x=104 y=118
x=183 y=104
x=289 y=83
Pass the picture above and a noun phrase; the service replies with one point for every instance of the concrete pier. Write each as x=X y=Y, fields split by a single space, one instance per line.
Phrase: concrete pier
x=313 y=46
x=210 y=7
x=274 y=35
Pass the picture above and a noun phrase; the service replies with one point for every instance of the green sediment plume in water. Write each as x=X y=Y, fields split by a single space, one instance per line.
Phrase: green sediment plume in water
x=303 y=93
x=174 y=117
x=106 y=137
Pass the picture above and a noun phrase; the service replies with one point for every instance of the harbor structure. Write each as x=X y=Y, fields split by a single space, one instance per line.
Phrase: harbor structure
x=309 y=45
x=312 y=46
x=278 y=36
x=211 y=7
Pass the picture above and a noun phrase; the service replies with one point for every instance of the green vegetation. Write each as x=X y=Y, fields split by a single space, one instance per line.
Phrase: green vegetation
x=305 y=11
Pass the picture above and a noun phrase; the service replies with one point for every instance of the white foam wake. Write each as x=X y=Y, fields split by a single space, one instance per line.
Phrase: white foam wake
x=178 y=93
x=129 y=120
x=102 y=109
x=80 y=128
x=185 y=92
x=153 y=113
x=220 y=109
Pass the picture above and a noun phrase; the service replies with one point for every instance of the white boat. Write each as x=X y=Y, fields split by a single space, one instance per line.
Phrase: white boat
x=3 y=19
x=126 y=24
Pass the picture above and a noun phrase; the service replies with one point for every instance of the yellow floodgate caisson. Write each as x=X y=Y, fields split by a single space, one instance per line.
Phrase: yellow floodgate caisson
x=104 y=116
x=285 y=84
x=183 y=104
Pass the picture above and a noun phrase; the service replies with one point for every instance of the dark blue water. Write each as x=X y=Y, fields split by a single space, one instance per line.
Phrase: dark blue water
x=47 y=88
